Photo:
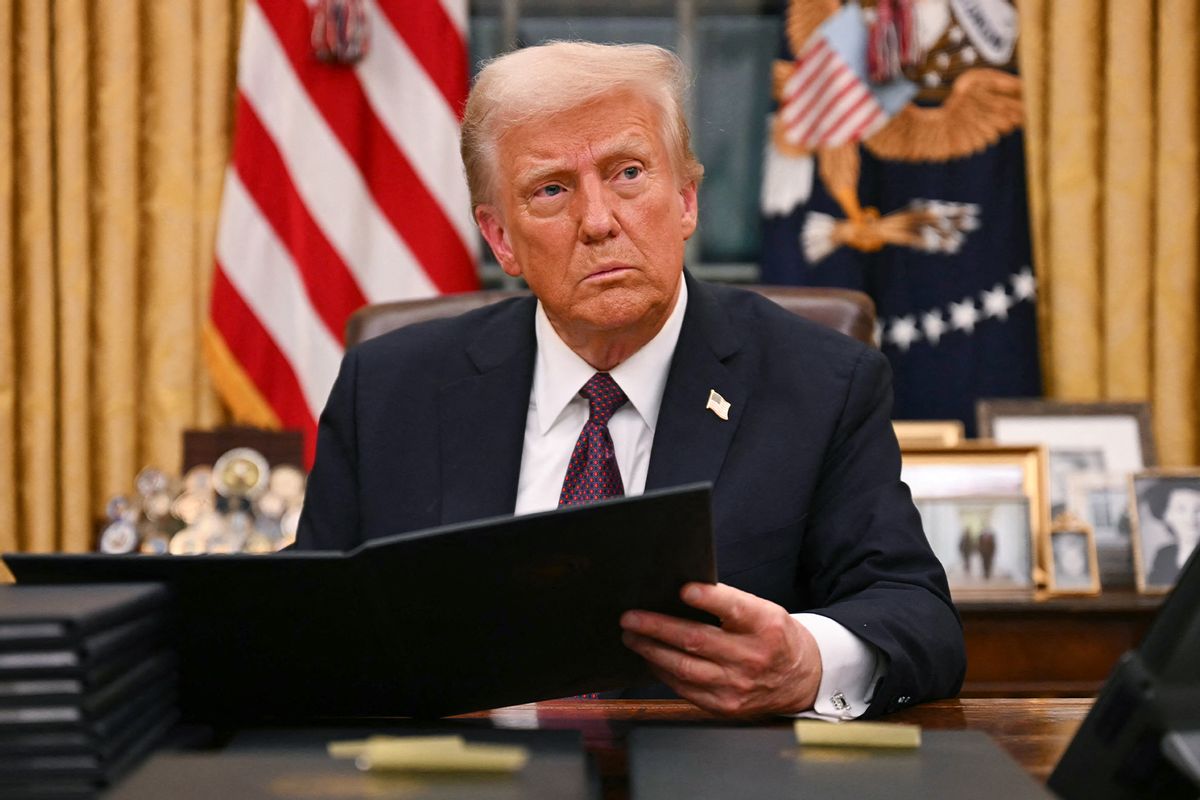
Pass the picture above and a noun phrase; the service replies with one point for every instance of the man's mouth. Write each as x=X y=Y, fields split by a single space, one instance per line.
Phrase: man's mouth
x=607 y=271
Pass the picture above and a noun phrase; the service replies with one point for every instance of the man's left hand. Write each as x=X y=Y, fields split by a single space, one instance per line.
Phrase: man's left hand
x=760 y=661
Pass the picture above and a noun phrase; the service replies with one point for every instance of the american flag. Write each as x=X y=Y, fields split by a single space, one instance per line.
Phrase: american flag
x=826 y=99
x=825 y=103
x=344 y=187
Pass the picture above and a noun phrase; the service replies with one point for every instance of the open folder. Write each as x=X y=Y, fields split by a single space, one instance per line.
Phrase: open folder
x=426 y=623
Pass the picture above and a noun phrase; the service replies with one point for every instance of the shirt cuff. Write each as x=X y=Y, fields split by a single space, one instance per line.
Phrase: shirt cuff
x=850 y=669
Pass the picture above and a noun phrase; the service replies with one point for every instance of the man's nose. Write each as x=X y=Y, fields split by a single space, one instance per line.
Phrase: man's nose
x=597 y=214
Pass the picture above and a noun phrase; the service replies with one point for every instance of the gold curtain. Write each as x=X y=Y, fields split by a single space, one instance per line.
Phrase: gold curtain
x=1113 y=96
x=115 y=123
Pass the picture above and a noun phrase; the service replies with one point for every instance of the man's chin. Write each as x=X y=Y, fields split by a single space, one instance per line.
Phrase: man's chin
x=615 y=313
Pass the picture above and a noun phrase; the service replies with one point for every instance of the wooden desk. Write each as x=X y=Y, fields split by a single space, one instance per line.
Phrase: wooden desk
x=1035 y=732
x=1056 y=647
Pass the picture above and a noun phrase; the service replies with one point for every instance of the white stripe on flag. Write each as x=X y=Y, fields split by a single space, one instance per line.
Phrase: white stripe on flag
x=266 y=277
x=844 y=131
x=325 y=177
x=416 y=116
x=816 y=88
x=818 y=108
x=856 y=98
x=806 y=68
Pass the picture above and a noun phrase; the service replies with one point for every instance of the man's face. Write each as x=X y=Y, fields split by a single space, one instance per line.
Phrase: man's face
x=589 y=210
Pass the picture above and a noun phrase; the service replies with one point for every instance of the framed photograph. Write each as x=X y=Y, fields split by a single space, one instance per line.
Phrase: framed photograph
x=968 y=496
x=1101 y=500
x=1072 y=565
x=1166 y=525
x=1080 y=437
x=984 y=543
x=916 y=433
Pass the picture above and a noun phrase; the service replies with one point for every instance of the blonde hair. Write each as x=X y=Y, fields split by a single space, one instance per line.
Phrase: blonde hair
x=541 y=81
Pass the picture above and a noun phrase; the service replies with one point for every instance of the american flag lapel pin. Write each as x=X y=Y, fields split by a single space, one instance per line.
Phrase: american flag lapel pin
x=718 y=405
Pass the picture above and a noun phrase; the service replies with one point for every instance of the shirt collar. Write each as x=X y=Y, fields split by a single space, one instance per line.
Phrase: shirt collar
x=559 y=373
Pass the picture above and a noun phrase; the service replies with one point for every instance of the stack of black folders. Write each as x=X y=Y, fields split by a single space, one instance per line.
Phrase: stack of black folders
x=87 y=685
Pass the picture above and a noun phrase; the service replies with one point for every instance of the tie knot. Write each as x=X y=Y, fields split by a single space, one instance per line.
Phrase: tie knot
x=604 y=396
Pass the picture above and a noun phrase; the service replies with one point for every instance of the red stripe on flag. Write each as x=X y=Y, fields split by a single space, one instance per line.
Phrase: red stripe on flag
x=813 y=65
x=397 y=189
x=330 y=286
x=830 y=133
x=859 y=132
x=251 y=344
x=830 y=102
x=434 y=40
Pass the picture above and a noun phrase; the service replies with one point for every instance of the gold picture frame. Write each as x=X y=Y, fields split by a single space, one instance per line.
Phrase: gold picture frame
x=973 y=485
x=1150 y=493
x=919 y=433
x=1072 y=562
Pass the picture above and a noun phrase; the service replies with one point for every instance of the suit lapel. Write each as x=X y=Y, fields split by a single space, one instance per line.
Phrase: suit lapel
x=483 y=419
x=690 y=441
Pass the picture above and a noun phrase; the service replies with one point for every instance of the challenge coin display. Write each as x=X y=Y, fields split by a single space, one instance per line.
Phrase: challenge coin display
x=241 y=504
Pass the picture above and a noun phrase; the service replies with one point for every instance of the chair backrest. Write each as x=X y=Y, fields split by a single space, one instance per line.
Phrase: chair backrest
x=844 y=310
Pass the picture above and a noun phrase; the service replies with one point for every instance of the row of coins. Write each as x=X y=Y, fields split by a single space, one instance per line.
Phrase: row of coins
x=239 y=504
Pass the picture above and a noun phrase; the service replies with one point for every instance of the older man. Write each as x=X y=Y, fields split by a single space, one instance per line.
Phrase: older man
x=584 y=184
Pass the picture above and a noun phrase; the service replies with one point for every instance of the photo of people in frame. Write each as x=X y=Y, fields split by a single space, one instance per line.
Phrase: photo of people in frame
x=984 y=543
x=1065 y=462
x=1072 y=557
x=1166 y=527
x=1101 y=500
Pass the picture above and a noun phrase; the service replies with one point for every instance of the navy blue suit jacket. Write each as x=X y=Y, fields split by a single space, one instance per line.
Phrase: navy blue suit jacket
x=425 y=427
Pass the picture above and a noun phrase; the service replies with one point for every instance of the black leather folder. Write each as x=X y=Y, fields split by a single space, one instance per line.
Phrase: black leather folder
x=58 y=618
x=274 y=764
x=85 y=654
x=426 y=623
x=760 y=763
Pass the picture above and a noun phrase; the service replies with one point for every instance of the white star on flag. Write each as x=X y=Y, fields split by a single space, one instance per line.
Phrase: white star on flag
x=964 y=315
x=1024 y=284
x=933 y=325
x=903 y=332
x=996 y=302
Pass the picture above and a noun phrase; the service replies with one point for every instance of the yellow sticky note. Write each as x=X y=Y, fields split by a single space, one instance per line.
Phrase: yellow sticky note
x=857 y=734
x=430 y=754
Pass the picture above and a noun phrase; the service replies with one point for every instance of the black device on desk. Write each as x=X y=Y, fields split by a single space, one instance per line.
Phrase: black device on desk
x=1141 y=739
x=427 y=623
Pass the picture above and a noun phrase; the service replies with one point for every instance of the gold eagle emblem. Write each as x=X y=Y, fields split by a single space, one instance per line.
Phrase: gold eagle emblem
x=965 y=97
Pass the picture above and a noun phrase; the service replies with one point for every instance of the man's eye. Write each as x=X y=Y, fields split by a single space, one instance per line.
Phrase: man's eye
x=553 y=190
x=629 y=173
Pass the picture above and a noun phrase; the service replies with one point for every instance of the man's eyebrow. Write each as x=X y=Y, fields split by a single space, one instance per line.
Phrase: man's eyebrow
x=540 y=171
x=623 y=147
x=629 y=145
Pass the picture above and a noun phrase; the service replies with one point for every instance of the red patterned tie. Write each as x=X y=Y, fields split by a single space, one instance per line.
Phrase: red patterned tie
x=592 y=473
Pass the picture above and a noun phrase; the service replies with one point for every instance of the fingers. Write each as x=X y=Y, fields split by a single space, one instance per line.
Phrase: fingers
x=737 y=610
x=719 y=700
x=705 y=641
x=682 y=666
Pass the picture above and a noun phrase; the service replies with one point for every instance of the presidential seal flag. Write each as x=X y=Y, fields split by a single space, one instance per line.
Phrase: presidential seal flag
x=344 y=188
x=896 y=166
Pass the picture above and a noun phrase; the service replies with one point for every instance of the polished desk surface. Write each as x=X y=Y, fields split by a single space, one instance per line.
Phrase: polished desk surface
x=1035 y=732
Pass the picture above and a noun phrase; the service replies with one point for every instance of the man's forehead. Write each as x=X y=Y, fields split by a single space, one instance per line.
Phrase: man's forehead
x=611 y=123
x=549 y=150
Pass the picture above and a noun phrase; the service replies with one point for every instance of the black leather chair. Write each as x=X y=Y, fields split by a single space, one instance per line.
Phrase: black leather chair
x=844 y=310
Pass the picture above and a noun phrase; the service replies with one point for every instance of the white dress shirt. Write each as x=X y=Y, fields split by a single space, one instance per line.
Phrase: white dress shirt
x=557 y=413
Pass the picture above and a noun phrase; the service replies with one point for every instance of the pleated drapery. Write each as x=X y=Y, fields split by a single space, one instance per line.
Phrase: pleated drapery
x=115 y=122
x=1112 y=90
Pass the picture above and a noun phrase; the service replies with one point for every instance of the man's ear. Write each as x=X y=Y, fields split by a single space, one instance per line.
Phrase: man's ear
x=690 y=210
x=491 y=225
